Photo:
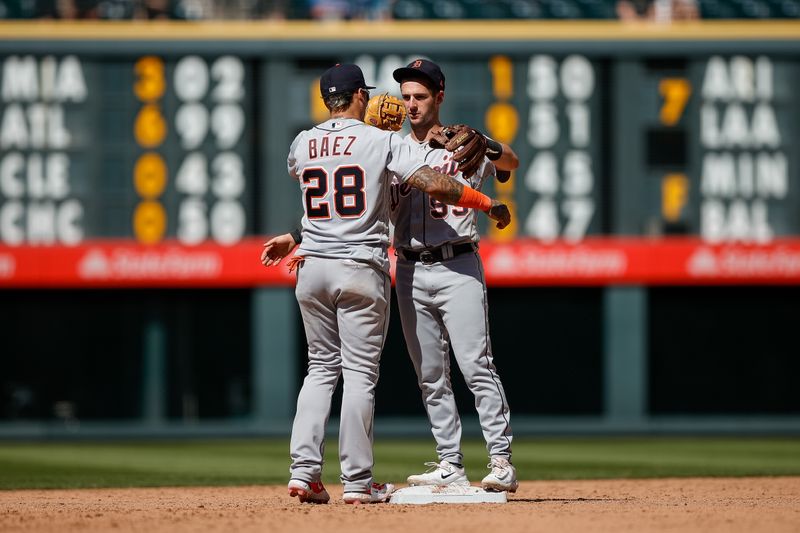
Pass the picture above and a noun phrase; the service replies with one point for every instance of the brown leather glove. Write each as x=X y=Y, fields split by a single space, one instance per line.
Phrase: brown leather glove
x=467 y=144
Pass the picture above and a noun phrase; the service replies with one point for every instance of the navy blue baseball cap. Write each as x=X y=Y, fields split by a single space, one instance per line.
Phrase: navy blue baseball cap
x=421 y=68
x=342 y=79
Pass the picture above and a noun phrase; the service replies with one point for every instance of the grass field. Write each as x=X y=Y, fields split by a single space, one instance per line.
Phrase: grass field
x=248 y=462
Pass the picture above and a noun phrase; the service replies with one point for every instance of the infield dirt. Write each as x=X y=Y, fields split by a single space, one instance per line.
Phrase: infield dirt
x=687 y=505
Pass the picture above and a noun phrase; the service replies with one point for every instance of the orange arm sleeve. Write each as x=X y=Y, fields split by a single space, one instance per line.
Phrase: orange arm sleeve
x=474 y=199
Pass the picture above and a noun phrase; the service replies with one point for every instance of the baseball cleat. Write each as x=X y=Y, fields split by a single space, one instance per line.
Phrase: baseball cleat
x=308 y=492
x=503 y=476
x=379 y=492
x=440 y=474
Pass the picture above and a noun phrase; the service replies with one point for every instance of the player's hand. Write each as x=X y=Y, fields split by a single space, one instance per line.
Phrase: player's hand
x=503 y=175
x=276 y=249
x=500 y=213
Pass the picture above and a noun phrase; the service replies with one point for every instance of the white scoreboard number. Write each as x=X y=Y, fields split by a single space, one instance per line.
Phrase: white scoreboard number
x=560 y=175
x=212 y=184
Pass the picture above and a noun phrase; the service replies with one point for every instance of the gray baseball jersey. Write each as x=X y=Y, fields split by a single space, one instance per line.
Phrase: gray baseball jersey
x=343 y=288
x=423 y=222
x=345 y=168
x=445 y=304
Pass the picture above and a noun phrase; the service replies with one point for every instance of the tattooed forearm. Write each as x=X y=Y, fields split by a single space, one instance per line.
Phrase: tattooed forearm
x=439 y=186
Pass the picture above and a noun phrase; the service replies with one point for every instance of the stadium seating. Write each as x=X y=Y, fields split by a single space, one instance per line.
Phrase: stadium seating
x=579 y=9
x=400 y=9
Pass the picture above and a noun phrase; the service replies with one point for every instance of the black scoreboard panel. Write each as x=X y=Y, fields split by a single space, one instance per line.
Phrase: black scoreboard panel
x=144 y=147
x=170 y=146
x=720 y=156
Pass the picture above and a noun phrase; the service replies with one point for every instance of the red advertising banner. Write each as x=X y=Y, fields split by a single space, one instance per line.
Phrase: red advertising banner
x=125 y=263
x=641 y=261
x=606 y=261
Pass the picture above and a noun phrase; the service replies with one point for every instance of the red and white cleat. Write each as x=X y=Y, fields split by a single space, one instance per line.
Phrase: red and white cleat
x=379 y=492
x=308 y=492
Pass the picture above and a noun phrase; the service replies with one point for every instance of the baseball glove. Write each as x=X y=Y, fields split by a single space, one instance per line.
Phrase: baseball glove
x=467 y=144
x=385 y=112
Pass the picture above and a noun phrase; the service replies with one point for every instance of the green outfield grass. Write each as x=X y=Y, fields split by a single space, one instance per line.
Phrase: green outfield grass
x=243 y=462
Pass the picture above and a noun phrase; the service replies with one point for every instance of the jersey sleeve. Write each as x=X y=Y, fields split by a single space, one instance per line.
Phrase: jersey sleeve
x=486 y=172
x=403 y=160
x=291 y=161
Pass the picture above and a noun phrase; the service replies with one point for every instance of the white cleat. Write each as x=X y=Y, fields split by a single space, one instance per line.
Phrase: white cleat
x=440 y=474
x=503 y=476
x=379 y=492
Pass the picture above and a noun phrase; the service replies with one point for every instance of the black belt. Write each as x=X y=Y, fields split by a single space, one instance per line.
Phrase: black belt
x=436 y=255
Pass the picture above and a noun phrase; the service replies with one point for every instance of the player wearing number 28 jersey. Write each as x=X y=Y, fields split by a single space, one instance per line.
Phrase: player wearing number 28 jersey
x=345 y=169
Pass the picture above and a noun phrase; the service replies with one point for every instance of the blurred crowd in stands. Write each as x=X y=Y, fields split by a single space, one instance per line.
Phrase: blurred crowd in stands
x=655 y=10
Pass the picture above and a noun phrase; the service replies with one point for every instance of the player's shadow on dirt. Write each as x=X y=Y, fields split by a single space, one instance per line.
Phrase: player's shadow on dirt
x=563 y=500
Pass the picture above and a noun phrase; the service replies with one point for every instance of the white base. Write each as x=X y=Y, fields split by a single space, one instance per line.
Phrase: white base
x=446 y=494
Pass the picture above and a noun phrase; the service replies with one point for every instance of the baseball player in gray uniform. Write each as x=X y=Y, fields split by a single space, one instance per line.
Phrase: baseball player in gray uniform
x=344 y=168
x=441 y=293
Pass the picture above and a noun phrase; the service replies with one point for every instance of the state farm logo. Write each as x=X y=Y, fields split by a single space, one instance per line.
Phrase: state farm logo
x=557 y=262
x=503 y=262
x=703 y=263
x=8 y=266
x=123 y=263
x=94 y=265
x=745 y=263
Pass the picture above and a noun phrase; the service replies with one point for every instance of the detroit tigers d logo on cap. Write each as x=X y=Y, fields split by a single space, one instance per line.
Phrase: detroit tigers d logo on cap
x=421 y=68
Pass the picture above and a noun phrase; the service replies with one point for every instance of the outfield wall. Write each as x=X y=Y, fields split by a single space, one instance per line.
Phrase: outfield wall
x=649 y=283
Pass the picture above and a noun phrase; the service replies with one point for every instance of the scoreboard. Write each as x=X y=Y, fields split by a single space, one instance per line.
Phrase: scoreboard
x=159 y=159
x=145 y=147
x=720 y=149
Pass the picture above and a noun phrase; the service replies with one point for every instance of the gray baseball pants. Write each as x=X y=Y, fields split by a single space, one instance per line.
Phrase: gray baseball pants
x=345 y=309
x=444 y=304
